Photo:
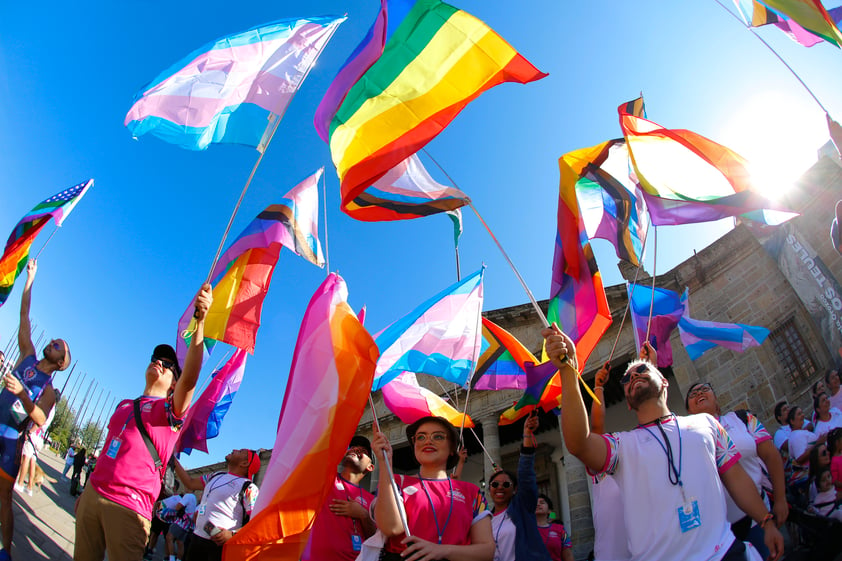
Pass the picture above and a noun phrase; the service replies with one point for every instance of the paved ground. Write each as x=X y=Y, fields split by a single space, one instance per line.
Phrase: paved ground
x=44 y=523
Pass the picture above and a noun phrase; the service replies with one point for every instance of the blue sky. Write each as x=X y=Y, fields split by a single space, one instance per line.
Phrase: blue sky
x=117 y=277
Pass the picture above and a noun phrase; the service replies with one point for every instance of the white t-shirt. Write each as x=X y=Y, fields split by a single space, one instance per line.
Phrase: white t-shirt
x=503 y=530
x=799 y=441
x=221 y=505
x=745 y=437
x=782 y=436
x=611 y=543
x=651 y=504
x=836 y=400
x=824 y=427
x=189 y=502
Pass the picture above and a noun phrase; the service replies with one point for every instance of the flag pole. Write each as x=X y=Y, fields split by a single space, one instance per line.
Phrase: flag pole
x=394 y=484
x=324 y=209
x=629 y=296
x=46 y=242
x=654 y=272
x=774 y=52
x=273 y=125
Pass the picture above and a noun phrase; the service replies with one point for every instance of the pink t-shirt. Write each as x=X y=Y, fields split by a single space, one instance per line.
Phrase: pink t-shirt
x=125 y=472
x=556 y=539
x=431 y=507
x=332 y=535
x=836 y=468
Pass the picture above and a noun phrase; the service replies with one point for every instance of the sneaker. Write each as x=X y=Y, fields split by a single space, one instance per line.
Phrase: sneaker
x=29 y=492
x=18 y=488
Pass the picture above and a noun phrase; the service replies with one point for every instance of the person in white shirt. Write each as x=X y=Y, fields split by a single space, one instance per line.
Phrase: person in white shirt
x=834 y=389
x=679 y=514
x=827 y=417
x=782 y=434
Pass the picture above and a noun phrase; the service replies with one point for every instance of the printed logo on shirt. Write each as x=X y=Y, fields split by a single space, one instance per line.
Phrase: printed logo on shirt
x=28 y=373
x=339 y=486
x=147 y=407
x=458 y=496
x=410 y=490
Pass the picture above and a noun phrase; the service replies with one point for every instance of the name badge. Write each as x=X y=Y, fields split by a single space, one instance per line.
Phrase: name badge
x=19 y=414
x=688 y=516
x=356 y=542
x=201 y=509
x=113 y=447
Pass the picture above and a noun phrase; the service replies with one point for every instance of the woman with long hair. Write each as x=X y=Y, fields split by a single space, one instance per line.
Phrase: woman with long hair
x=827 y=417
x=447 y=518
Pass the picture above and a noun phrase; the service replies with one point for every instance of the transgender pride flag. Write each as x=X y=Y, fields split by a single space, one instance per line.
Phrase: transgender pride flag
x=232 y=89
x=441 y=337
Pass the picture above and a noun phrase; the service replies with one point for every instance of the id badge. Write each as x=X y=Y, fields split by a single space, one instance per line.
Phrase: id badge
x=688 y=516
x=356 y=542
x=201 y=509
x=113 y=448
x=18 y=412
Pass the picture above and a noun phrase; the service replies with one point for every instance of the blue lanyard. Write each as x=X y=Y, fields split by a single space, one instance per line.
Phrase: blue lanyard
x=345 y=484
x=674 y=473
x=439 y=530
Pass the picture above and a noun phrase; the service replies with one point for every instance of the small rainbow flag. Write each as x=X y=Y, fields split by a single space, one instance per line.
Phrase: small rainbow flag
x=328 y=387
x=437 y=60
x=501 y=363
x=20 y=241
x=242 y=275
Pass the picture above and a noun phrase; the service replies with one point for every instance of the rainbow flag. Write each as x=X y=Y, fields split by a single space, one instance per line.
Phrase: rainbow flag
x=755 y=14
x=611 y=205
x=437 y=61
x=242 y=274
x=409 y=401
x=699 y=336
x=695 y=178
x=206 y=413
x=543 y=390
x=441 y=337
x=502 y=360
x=666 y=311
x=810 y=15
x=332 y=369
x=577 y=298
x=231 y=90
x=16 y=253
x=406 y=191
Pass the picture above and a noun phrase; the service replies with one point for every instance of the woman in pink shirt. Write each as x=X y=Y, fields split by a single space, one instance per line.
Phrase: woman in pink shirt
x=834 y=444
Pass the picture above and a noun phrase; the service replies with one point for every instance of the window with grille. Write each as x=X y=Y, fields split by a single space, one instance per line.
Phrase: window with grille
x=793 y=356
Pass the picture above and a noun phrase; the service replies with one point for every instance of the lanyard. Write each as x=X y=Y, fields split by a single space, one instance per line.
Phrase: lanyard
x=505 y=515
x=673 y=472
x=345 y=484
x=439 y=530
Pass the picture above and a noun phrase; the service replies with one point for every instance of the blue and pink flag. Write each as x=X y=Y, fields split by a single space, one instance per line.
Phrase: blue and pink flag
x=409 y=401
x=700 y=336
x=206 y=414
x=666 y=311
x=502 y=361
x=326 y=394
x=234 y=89
x=441 y=337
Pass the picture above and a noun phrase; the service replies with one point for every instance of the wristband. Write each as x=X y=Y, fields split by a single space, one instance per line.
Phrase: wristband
x=766 y=519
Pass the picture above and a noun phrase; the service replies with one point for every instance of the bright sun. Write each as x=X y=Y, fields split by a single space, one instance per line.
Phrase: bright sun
x=779 y=135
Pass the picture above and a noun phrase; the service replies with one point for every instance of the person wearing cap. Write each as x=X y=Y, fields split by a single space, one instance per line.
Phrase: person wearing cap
x=343 y=522
x=24 y=401
x=672 y=471
x=114 y=512
x=228 y=499
x=447 y=518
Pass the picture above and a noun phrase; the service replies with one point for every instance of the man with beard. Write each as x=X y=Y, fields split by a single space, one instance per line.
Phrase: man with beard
x=343 y=523
x=684 y=507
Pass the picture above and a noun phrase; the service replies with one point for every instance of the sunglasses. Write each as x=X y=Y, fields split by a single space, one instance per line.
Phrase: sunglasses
x=639 y=369
x=503 y=484
x=165 y=362
x=699 y=390
x=424 y=437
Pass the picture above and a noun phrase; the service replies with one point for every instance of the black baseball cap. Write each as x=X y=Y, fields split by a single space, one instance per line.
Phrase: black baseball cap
x=360 y=440
x=167 y=352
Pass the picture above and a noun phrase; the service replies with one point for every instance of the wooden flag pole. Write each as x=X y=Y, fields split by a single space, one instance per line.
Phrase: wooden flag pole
x=324 y=210
x=654 y=271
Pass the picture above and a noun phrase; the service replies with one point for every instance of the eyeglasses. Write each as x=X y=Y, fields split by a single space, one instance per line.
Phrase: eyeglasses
x=423 y=437
x=639 y=369
x=699 y=390
x=503 y=484
x=164 y=362
x=59 y=347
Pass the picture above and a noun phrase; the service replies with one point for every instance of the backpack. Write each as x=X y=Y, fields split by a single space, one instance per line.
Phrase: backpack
x=240 y=496
x=169 y=482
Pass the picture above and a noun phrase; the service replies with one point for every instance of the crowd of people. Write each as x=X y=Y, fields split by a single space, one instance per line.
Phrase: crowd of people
x=711 y=486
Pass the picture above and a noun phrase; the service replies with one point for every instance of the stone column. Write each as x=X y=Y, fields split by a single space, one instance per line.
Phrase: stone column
x=491 y=441
x=576 y=501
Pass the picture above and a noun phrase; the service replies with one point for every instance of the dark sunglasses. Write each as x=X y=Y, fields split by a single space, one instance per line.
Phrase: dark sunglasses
x=165 y=362
x=639 y=369
x=504 y=484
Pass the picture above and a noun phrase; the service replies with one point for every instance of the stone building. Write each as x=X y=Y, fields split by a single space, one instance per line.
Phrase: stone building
x=782 y=278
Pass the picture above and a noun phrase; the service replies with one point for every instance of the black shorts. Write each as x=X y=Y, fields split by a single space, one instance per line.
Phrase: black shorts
x=159 y=526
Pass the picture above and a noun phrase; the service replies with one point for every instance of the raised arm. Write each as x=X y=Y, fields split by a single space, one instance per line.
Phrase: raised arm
x=598 y=409
x=192 y=483
x=25 y=330
x=745 y=495
x=386 y=514
x=183 y=394
x=527 y=486
x=589 y=447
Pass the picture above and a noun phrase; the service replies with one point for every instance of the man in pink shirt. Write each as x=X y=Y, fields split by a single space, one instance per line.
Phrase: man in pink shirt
x=115 y=511
x=343 y=523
